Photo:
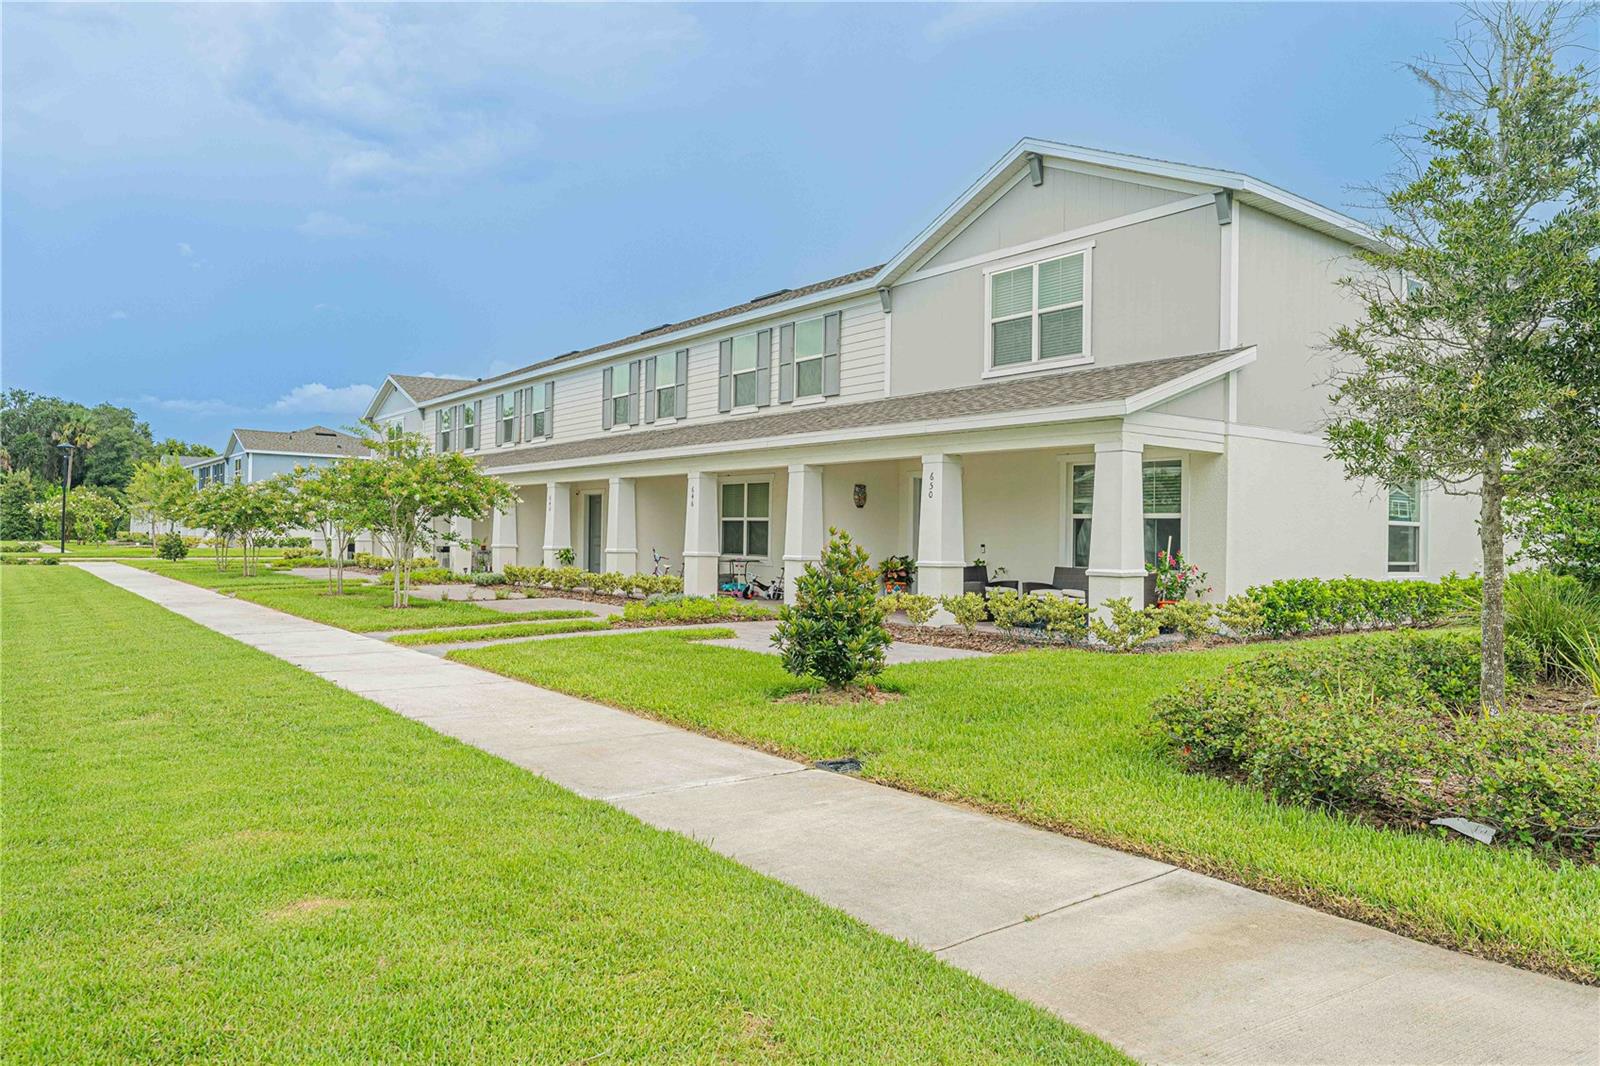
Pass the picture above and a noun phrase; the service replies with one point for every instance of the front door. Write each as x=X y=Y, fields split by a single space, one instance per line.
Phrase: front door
x=593 y=535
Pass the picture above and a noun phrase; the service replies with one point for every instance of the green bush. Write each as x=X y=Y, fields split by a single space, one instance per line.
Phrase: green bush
x=298 y=552
x=677 y=608
x=430 y=575
x=1391 y=723
x=1058 y=616
x=1122 y=628
x=1306 y=605
x=834 y=629
x=1242 y=617
x=1191 y=619
x=172 y=547
x=25 y=546
x=484 y=580
x=968 y=609
x=1555 y=615
x=919 y=610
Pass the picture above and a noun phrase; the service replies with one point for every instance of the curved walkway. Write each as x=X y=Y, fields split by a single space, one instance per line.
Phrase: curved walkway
x=1169 y=965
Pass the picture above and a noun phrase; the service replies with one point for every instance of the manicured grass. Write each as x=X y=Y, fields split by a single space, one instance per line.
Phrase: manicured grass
x=362 y=609
x=112 y=551
x=510 y=629
x=210 y=854
x=1063 y=739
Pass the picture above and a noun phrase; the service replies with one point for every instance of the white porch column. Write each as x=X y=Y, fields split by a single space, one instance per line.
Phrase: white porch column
x=461 y=547
x=1116 y=535
x=700 y=541
x=803 y=531
x=503 y=538
x=622 y=528
x=557 y=520
x=941 y=539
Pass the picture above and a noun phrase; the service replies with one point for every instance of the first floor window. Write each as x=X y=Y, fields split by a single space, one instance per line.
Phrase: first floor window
x=1082 y=509
x=746 y=518
x=1163 y=508
x=445 y=429
x=507 y=403
x=744 y=370
x=469 y=429
x=1036 y=312
x=238 y=469
x=667 y=386
x=1405 y=528
x=808 y=343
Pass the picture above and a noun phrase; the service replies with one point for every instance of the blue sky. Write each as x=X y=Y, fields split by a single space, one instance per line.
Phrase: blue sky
x=247 y=215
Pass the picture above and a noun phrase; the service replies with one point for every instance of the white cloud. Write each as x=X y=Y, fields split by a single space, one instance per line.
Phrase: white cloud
x=185 y=250
x=957 y=20
x=316 y=397
x=327 y=224
x=190 y=407
x=324 y=308
x=119 y=315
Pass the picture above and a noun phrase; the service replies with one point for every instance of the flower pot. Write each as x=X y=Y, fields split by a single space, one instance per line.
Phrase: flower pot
x=895 y=585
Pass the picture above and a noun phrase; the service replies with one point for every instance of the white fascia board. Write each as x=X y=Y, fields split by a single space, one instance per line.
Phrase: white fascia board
x=544 y=371
x=1194 y=379
x=306 y=455
x=389 y=385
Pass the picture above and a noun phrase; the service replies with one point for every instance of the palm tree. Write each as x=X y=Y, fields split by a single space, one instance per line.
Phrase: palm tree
x=78 y=434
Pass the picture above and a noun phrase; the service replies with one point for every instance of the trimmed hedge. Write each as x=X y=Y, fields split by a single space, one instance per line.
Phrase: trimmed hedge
x=1309 y=605
x=675 y=608
x=1390 y=724
x=570 y=578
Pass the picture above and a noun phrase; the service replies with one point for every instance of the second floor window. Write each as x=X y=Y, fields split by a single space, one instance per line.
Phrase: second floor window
x=444 y=430
x=744 y=370
x=1405 y=528
x=666 y=386
x=469 y=428
x=1036 y=312
x=534 y=414
x=808 y=340
x=506 y=430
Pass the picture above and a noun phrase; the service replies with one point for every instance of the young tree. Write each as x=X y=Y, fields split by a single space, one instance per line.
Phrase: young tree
x=834 y=629
x=161 y=491
x=327 y=497
x=406 y=490
x=261 y=510
x=1484 y=285
x=213 y=510
x=18 y=492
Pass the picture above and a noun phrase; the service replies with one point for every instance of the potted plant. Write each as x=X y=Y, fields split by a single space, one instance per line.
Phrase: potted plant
x=1175 y=578
x=896 y=572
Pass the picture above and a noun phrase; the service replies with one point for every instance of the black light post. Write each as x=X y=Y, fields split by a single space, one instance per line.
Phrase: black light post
x=66 y=487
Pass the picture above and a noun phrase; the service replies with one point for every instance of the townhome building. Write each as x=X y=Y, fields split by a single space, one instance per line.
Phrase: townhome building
x=1086 y=359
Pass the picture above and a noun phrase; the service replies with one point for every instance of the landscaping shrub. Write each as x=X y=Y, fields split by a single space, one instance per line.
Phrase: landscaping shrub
x=1242 y=617
x=1057 y=616
x=299 y=552
x=695 y=609
x=1191 y=619
x=1391 y=724
x=1307 y=605
x=1123 y=628
x=25 y=546
x=834 y=629
x=430 y=575
x=919 y=609
x=1555 y=615
x=968 y=609
x=172 y=547
x=483 y=580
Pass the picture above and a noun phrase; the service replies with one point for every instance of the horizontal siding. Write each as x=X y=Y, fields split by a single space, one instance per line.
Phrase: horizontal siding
x=578 y=392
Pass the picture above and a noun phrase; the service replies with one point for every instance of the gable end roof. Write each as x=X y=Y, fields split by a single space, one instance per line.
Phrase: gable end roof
x=313 y=440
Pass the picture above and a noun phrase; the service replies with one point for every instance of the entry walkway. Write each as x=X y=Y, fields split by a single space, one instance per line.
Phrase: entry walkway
x=1166 y=964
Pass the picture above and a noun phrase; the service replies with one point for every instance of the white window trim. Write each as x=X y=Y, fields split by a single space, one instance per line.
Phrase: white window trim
x=1421 y=525
x=1064 y=541
x=1036 y=365
x=1182 y=514
x=672 y=389
x=741 y=479
x=515 y=418
x=822 y=389
x=755 y=372
x=807 y=401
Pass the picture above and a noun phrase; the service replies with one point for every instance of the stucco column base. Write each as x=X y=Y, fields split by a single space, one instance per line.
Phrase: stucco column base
x=503 y=540
x=938 y=579
x=1111 y=585
x=461 y=548
x=700 y=575
x=557 y=520
x=793 y=567
x=622 y=562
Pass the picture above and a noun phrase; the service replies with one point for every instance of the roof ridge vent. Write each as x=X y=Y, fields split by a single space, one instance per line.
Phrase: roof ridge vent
x=769 y=295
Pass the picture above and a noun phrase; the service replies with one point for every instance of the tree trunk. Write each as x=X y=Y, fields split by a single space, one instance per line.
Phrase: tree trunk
x=1491 y=533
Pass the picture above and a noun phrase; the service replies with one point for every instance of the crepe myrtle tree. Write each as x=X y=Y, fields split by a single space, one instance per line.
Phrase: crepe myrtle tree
x=212 y=509
x=162 y=491
x=1479 y=300
x=326 y=498
x=408 y=496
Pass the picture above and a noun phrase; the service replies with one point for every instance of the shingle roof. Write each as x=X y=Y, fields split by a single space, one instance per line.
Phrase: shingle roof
x=1068 y=388
x=314 y=440
x=422 y=389
x=781 y=296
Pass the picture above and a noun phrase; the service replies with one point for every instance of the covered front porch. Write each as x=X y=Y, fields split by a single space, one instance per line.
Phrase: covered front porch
x=1084 y=512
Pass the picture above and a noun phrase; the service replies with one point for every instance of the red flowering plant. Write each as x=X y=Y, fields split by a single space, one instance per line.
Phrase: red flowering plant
x=1175 y=578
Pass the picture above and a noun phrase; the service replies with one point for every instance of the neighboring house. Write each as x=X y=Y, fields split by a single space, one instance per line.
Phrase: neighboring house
x=1086 y=358
x=401 y=398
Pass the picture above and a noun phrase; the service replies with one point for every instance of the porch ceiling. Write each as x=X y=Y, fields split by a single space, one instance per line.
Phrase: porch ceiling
x=1066 y=389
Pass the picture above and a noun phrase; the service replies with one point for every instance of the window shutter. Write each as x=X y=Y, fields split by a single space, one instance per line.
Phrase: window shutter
x=725 y=375
x=550 y=407
x=499 y=417
x=680 y=406
x=438 y=430
x=477 y=424
x=831 y=325
x=650 y=389
x=764 y=368
x=633 y=392
x=458 y=423
x=605 y=398
x=519 y=406
x=786 y=363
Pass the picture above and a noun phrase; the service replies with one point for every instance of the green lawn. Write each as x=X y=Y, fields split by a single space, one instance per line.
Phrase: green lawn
x=1062 y=739
x=510 y=629
x=362 y=609
x=109 y=551
x=210 y=854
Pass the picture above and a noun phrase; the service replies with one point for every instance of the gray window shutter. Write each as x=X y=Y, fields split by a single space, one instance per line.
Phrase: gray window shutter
x=499 y=416
x=605 y=398
x=550 y=407
x=830 y=353
x=477 y=424
x=519 y=406
x=764 y=368
x=786 y=363
x=680 y=406
x=633 y=392
x=438 y=430
x=458 y=425
x=650 y=389
x=725 y=376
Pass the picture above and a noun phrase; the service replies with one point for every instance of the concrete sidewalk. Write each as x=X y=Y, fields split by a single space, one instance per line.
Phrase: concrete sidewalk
x=1166 y=964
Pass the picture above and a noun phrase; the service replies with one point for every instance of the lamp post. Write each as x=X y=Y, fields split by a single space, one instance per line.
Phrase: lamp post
x=66 y=487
